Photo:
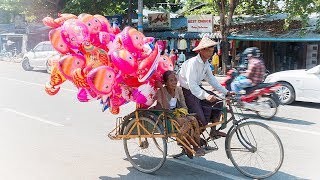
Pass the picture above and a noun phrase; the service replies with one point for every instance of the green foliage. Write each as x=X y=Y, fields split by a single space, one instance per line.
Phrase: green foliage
x=103 y=7
x=301 y=9
x=294 y=8
x=110 y=7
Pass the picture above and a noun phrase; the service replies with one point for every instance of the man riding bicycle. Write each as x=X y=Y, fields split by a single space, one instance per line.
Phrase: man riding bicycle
x=199 y=100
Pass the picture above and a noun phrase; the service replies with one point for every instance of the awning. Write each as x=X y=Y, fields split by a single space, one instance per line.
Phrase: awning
x=275 y=39
x=185 y=35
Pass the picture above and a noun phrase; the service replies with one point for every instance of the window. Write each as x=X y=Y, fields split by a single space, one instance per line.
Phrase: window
x=47 y=47
x=39 y=47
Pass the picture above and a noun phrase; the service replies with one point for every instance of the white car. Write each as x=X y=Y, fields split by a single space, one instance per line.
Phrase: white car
x=39 y=57
x=298 y=85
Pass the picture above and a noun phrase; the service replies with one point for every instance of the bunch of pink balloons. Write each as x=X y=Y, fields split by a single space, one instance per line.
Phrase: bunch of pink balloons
x=103 y=62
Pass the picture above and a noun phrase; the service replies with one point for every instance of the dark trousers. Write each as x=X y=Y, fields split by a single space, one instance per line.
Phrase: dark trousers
x=202 y=108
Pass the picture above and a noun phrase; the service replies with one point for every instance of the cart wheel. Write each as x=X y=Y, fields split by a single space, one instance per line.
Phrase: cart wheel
x=146 y=154
x=255 y=149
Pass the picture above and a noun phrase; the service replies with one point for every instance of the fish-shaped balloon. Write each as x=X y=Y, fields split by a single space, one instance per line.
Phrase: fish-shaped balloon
x=124 y=61
x=134 y=41
x=55 y=23
x=56 y=79
x=68 y=63
x=101 y=80
x=57 y=41
x=105 y=24
x=74 y=33
x=149 y=65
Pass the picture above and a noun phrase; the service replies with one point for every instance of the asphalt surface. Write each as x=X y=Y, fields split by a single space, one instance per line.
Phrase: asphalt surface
x=57 y=137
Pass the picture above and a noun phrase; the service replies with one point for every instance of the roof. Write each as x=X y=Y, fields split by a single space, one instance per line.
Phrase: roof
x=4 y=28
x=290 y=36
x=145 y=13
x=185 y=35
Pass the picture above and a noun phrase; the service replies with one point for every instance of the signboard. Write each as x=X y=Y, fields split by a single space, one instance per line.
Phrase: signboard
x=159 y=20
x=20 y=24
x=200 y=23
x=117 y=20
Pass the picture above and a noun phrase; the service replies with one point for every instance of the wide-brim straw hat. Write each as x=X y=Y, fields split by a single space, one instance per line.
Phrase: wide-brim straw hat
x=205 y=43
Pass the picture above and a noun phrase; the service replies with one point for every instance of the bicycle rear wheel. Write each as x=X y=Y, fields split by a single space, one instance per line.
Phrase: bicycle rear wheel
x=255 y=149
x=149 y=153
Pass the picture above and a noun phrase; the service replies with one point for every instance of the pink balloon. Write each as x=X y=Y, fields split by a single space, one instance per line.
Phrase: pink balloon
x=165 y=64
x=57 y=41
x=86 y=95
x=145 y=94
x=105 y=24
x=68 y=63
x=161 y=45
x=134 y=41
x=74 y=32
x=102 y=80
x=124 y=61
x=148 y=65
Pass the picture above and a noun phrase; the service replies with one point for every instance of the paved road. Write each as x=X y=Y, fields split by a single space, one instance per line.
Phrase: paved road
x=44 y=137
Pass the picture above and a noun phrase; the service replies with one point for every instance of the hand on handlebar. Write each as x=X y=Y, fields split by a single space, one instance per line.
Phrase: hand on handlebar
x=230 y=93
x=211 y=98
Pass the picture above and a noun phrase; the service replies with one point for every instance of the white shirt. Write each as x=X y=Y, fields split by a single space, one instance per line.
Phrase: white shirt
x=193 y=71
x=173 y=103
x=182 y=44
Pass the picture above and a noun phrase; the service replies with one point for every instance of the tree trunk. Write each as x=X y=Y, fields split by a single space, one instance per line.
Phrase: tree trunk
x=224 y=33
x=224 y=45
x=225 y=22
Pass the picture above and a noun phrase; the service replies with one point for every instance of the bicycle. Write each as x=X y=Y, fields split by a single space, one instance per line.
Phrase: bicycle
x=144 y=129
x=11 y=56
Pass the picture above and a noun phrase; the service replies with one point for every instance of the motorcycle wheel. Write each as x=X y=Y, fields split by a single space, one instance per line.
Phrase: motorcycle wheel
x=271 y=107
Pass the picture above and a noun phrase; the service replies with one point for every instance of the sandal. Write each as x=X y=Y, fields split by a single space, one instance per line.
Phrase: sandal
x=188 y=153
x=216 y=134
x=200 y=152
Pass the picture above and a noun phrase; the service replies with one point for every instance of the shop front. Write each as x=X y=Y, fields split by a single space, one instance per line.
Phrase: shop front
x=280 y=54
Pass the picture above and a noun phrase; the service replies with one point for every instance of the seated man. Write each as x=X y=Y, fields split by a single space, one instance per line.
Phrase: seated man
x=255 y=73
x=171 y=97
x=198 y=100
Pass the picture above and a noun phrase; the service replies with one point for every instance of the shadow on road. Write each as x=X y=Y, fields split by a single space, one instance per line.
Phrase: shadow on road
x=172 y=170
x=305 y=104
x=281 y=119
x=40 y=71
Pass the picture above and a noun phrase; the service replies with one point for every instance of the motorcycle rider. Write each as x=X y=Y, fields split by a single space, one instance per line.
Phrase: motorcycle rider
x=254 y=75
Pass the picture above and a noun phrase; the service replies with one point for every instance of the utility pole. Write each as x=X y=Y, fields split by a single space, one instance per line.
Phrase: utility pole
x=130 y=13
x=140 y=15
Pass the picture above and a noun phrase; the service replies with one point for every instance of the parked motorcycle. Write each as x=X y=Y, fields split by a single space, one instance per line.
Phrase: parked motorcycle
x=260 y=99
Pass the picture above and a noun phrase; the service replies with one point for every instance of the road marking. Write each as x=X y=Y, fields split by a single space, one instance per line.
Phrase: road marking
x=295 y=129
x=36 y=84
x=209 y=170
x=33 y=117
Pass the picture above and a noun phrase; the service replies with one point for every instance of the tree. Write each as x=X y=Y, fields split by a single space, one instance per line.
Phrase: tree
x=227 y=8
x=34 y=10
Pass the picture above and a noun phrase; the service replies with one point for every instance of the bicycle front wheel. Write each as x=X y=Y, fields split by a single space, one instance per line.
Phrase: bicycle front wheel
x=147 y=154
x=255 y=149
